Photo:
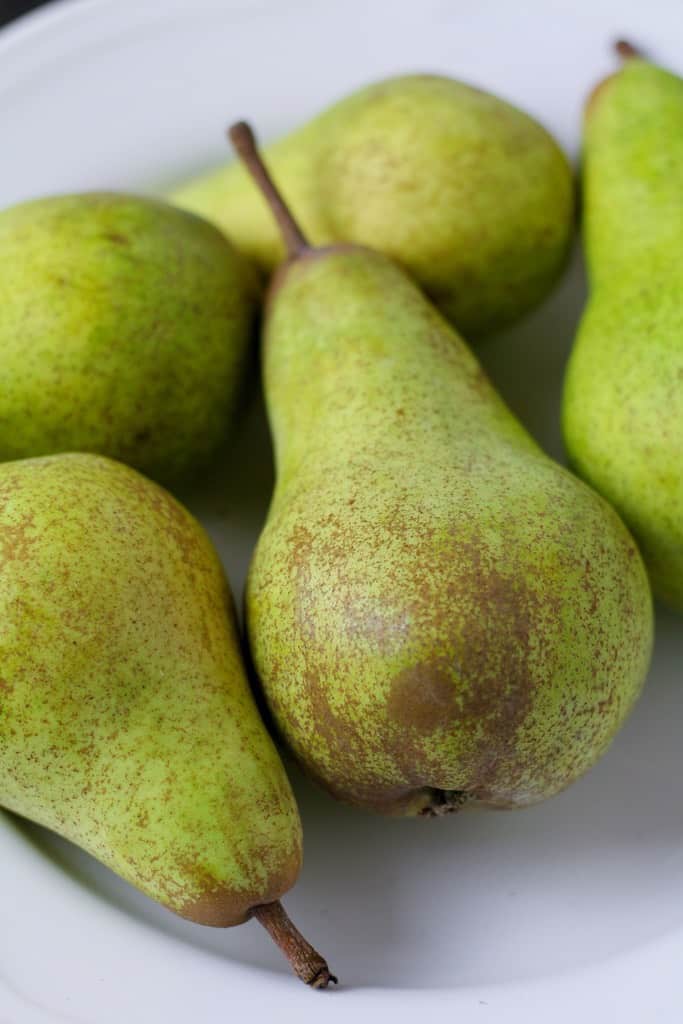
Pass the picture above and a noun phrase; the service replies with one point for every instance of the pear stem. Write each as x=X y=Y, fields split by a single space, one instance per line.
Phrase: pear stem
x=626 y=50
x=244 y=141
x=306 y=962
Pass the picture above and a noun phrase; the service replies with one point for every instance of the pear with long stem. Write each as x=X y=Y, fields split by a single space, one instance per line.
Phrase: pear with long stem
x=127 y=724
x=439 y=614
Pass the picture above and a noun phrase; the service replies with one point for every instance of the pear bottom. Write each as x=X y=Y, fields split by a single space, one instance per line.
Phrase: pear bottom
x=225 y=908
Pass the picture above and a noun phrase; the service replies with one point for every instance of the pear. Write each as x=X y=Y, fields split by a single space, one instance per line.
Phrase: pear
x=127 y=724
x=438 y=613
x=125 y=326
x=623 y=399
x=470 y=195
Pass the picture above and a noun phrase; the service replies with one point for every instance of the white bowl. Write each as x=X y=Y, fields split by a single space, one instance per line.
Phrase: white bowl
x=571 y=908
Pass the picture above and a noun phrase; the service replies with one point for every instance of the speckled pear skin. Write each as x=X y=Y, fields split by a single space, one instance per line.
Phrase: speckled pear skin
x=623 y=400
x=470 y=195
x=125 y=326
x=126 y=721
x=436 y=610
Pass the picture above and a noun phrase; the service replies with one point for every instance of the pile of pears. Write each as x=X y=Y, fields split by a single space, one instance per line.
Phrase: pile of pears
x=437 y=614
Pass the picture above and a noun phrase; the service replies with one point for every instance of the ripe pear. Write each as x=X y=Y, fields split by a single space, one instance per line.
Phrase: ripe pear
x=125 y=326
x=127 y=724
x=470 y=195
x=623 y=400
x=437 y=611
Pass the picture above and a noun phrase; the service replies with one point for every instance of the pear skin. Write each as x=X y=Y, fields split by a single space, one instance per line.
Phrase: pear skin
x=127 y=722
x=470 y=195
x=623 y=399
x=125 y=329
x=439 y=614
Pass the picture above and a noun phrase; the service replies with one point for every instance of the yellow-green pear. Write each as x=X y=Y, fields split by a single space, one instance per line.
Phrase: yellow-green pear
x=126 y=721
x=125 y=326
x=470 y=195
x=623 y=399
x=438 y=612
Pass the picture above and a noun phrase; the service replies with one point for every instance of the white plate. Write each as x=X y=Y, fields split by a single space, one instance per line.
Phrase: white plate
x=572 y=908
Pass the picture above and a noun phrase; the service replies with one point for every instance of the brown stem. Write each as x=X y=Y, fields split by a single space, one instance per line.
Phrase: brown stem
x=306 y=962
x=244 y=141
x=626 y=50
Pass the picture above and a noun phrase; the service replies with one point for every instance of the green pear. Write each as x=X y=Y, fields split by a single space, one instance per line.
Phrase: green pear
x=127 y=724
x=470 y=195
x=437 y=611
x=623 y=400
x=125 y=326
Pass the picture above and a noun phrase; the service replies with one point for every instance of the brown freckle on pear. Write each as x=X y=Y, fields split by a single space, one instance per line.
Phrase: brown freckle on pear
x=116 y=237
x=422 y=697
